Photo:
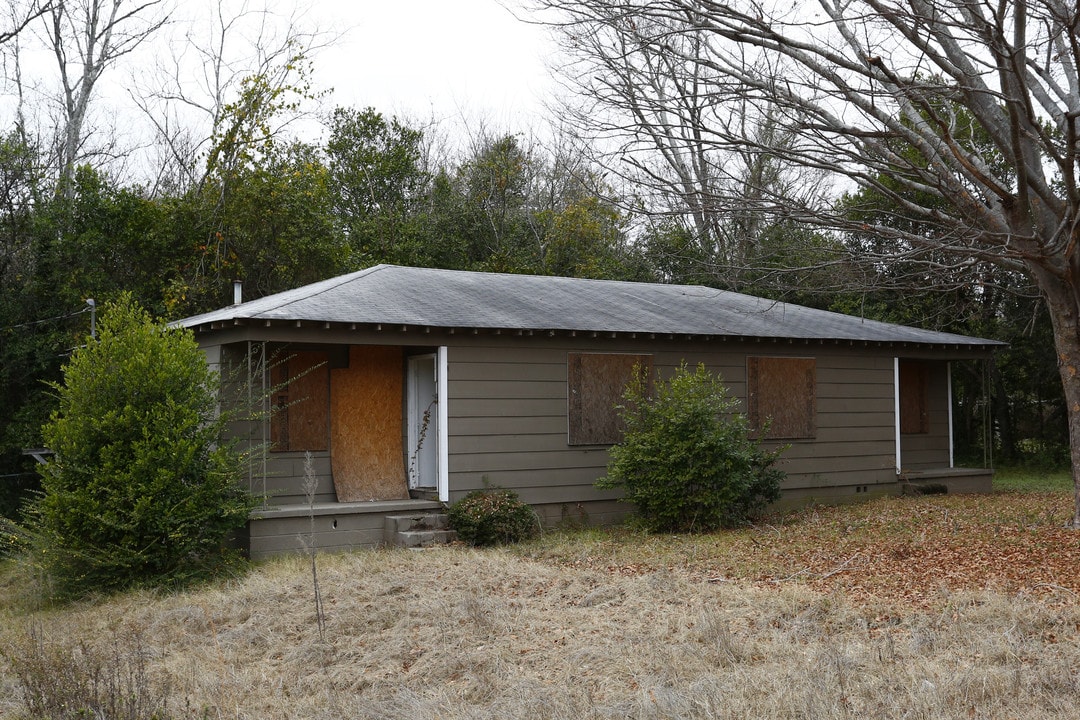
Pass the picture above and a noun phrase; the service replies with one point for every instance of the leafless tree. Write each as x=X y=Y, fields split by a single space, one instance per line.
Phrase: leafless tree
x=186 y=97
x=651 y=109
x=963 y=114
x=20 y=15
x=87 y=37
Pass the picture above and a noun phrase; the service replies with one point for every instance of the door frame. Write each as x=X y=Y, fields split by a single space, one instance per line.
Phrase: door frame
x=437 y=435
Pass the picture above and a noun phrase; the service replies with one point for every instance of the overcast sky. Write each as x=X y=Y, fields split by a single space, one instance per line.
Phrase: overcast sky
x=444 y=60
x=443 y=56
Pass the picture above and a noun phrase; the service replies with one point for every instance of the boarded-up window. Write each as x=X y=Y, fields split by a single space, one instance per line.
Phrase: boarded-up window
x=595 y=385
x=300 y=418
x=914 y=397
x=782 y=395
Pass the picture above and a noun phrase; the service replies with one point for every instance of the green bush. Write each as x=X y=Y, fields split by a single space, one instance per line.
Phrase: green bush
x=139 y=489
x=492 y=516
x=687 y=461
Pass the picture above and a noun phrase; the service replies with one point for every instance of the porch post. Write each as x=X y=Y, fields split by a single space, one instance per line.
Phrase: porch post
x=441 y=385
x=896 y=412
x=948 y=378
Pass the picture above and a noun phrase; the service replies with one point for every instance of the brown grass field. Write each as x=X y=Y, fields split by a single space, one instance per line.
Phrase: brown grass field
x=930 y=607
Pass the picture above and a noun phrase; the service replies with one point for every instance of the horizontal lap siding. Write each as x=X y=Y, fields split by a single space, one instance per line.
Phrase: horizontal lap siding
x=273 y=536
x=284 y=477
x=507 y=426
x=508 y=416
x=855 y=439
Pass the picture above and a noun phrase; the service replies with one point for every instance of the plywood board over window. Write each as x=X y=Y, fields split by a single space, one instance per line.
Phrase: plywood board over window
x=300 y=420
x=782 y=396
x=595 y=385
x=914 y=397
x=367 y=459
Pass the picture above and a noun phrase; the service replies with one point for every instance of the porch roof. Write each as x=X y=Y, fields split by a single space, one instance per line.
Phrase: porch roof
x=395 y=295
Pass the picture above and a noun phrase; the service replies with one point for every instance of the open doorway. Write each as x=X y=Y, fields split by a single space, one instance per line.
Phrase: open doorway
x=426 y=431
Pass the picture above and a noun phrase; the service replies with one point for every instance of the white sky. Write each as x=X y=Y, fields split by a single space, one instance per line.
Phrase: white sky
x=453 y=61
x=441 y=57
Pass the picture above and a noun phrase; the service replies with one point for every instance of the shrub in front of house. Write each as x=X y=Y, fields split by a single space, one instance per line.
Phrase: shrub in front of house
x=492 y=516
x=687 y=460
x=139 y=490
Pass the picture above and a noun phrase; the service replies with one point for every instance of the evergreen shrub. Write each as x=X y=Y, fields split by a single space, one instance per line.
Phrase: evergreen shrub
x=140 y=490
x=687 y=459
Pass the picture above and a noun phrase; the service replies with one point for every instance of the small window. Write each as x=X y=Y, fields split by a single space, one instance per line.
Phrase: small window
x=300 y=417
x=914 y=397
x=595 y=386
x=781 y=395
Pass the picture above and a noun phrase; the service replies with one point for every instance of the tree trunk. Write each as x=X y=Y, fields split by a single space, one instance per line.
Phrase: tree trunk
x=1062 y=302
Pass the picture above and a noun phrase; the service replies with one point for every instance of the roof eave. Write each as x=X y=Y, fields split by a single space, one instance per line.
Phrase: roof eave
x=983 y=346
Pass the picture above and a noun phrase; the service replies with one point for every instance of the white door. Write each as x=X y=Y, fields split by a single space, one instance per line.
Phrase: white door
x=424 y=436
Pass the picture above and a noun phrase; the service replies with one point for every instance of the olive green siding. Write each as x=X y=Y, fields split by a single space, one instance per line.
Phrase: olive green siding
x=507 y=413
x=326 y=526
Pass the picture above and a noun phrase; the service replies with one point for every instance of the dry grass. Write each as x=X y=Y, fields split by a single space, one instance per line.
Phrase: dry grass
x=596 y=625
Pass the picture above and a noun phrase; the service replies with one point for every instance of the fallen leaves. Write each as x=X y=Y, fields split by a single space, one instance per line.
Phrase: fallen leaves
x=909 y=550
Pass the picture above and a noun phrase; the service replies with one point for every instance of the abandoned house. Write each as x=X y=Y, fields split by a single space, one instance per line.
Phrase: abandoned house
x=401 y=389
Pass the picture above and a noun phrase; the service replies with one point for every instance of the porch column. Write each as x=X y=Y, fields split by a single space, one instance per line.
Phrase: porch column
x=442 y=385
x=948 y=378
x=896 y=412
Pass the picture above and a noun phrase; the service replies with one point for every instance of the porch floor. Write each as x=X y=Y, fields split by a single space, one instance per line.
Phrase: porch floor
x=333 y=526
x=957 y=480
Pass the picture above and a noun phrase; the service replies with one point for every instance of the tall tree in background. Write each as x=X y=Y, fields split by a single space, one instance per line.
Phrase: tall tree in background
x=859 y=84
x=23 y=358
x=17 y=20
x=250 y=162
x=540 y=208
x=87 y=37
x=20 y=15
x=642 y=108
x=276 y=228
x=378 y=180
x=973 y=298
x=78 y=223
x=188 y=94
x=496 y=179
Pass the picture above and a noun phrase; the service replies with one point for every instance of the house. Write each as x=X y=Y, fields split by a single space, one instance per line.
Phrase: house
x=401 y=389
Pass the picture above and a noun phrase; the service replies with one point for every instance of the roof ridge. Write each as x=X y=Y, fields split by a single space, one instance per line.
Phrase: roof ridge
x=557 y=278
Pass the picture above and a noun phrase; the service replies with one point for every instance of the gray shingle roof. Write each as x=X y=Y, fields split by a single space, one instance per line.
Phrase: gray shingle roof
x=389 y=294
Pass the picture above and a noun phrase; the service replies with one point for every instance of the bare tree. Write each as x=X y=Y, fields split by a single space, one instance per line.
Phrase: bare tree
x=964 y=114
x=17 y=19
x=87 y=37
x=651 y=109
x=212 y=63
x=20 y=15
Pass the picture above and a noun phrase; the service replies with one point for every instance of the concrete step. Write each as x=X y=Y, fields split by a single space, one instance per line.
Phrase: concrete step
x=417 y=530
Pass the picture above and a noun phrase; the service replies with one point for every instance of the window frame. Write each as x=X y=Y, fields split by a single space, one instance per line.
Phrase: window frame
x=772 y=384
x=592 y=394
x=300 y=386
